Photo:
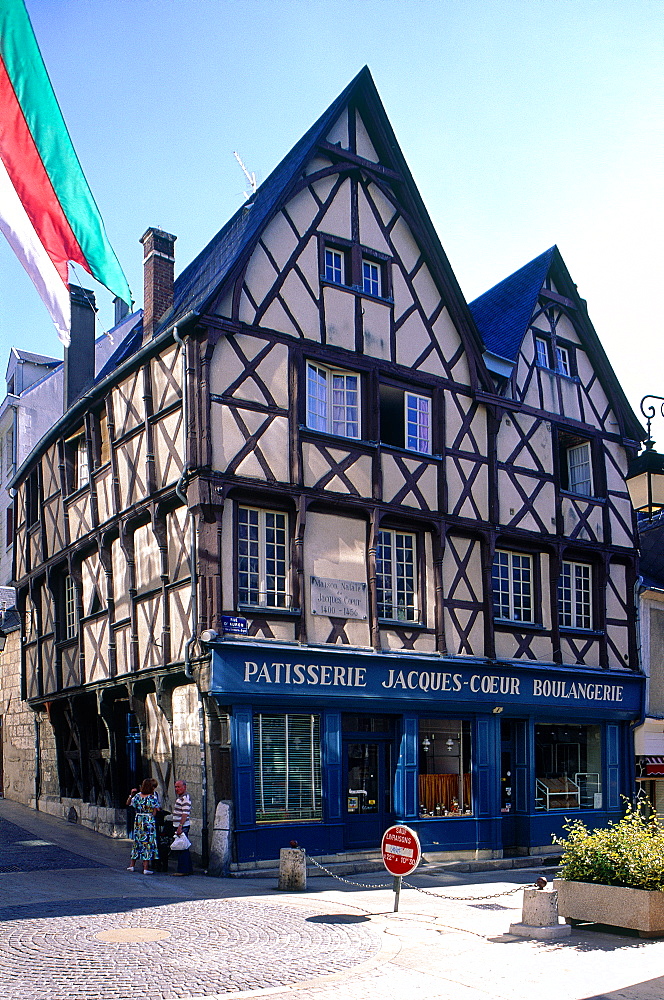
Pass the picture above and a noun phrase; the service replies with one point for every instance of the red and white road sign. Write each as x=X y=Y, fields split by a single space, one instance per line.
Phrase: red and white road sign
x=401 y=850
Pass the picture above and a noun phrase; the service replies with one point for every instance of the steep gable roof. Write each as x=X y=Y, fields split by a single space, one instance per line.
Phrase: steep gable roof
x=503 y=316
x=198 y=284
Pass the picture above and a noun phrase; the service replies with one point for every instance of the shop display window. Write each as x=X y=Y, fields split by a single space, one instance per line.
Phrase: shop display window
x=568 y=767
x=445 y=785
x=287 y=767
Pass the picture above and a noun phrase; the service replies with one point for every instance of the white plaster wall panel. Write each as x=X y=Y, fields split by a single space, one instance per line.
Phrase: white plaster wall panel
x=549 y=384
x=376 y=324
x=260 y=275
x=122 y=649
x=339 y=318
x=93 y=579
x=336 y=221
x=228 y=546
x=36 y=551
x=570 y=398
x=540 y=324
x=132 y=470
x=359 y=474
x=433 y=365
x=128 y=404
x=478 y=495
x=448 y=337
x=618 y=648
x=150 y=628
x=302 y=210
x=50 y=476
x=308 y=264
x=147 y=559
x=314 y=463
x=158 y=729
x=363 y=143
x=227 y=437
x=50 y=683
x=167 y=438
x=301 y=306
x=79 y=515
x=21 y=552
x=317 y=163
x=282 y=631
x=335 y=548
x=225 y=307
x=571 y=646
x=405 y=244
x=54 y=522
x=412 y=339
x=565 y=329
x=275 y=317
x=429 y=582
x=403 y=300
x=273 y=370
x=185 y=717
x=279 y=239
x=166 y=371
x=324 y=186
x=386 y=209
x=274 y=444
x=370 y=232
x=95 y=650
x=177 y=543
x=71 y=674
x=339 y=131
x=426 y=482
x=618 y=582
x=616 y=467
x=511 y=505
x=390 y=640
x=539 y=440
x=179 y=605
x=464 y=632
x=227 y=365
x=246 y=312
x=120 y=581
x=620 y=534
x=104 y=488
x=427 y=291
x=571 y=519
x=462 y=586
x=546 y=610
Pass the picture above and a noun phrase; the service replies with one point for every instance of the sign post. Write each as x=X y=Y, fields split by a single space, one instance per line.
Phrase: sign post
x=401 y=852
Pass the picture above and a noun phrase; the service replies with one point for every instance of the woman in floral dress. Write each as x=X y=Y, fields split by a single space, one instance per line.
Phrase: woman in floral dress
x=146 y=804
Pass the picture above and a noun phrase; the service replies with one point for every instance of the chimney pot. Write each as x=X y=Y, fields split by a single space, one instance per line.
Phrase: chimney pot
x=79 y=363
x=158 y=277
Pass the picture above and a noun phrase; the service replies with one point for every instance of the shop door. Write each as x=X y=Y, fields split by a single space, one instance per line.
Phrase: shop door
x=369 y=768
x=513 y=775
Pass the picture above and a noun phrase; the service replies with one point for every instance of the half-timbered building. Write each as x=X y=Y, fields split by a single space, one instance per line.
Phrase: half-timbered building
x=335 y=546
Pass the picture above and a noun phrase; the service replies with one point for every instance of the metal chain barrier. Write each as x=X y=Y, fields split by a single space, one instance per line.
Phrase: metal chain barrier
x=426 y=892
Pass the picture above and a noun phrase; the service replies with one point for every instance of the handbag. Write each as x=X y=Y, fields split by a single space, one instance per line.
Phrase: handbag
x=181 y=842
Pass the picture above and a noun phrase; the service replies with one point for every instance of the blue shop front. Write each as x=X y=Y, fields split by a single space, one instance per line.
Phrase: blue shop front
x=482 y=758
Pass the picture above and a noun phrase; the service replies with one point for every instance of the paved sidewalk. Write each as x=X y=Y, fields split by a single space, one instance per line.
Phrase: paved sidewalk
x=75 y=924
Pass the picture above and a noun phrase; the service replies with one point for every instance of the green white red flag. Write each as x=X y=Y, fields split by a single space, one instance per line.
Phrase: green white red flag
x=47 y=211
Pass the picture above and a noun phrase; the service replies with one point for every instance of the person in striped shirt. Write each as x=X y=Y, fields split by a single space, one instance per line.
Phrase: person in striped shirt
x=181 y=822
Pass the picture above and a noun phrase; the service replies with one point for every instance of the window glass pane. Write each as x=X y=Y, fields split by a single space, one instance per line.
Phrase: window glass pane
x=578 y=463
x=574 y=595
x=334 y=266
x=542 y=352
x=70 y=608
x=287 y=767
x=445 y=785
x=370 y=278
x=317 y=398
x=262 y=558
x=562 y=361
x=418 y=423
x=396 y=576
x=568 y=767
x=512 y=586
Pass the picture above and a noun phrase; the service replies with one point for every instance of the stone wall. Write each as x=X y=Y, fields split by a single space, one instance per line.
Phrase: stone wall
x=18 y=727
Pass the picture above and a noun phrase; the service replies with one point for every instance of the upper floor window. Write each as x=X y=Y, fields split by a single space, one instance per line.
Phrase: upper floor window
x=575 y=595
x=512 y=578
x=9 y=450
x=334 y=266
x=542 y=352
x=333 y=401
x=405 y=419
x=70 y=616
x=32 y=504
x=9 y=526
x=575 y=461
x=77 y=461
x=562 y=360
x=262 y=558
x=371 y=284
x=396 y=576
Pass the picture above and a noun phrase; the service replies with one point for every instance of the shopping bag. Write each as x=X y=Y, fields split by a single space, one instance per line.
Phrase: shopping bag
x=181 y=842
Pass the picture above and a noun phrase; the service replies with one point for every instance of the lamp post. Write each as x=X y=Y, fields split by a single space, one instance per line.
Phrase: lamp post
x=645 y=475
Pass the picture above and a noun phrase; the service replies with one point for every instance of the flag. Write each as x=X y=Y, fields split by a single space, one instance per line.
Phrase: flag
x=47 y=211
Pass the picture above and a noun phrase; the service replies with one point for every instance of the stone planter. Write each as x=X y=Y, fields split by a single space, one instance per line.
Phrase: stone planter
x=637 y=909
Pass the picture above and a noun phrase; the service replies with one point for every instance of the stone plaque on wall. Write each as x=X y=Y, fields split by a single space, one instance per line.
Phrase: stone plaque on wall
x=338 y=598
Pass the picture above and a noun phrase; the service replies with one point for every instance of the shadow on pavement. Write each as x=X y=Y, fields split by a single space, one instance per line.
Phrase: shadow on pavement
x=650 y=989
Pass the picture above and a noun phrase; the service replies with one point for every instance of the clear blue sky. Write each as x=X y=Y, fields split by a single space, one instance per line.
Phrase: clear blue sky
x=525 y=123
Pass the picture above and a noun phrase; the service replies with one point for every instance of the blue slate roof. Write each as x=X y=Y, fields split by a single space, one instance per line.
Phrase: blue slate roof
x=502 y=314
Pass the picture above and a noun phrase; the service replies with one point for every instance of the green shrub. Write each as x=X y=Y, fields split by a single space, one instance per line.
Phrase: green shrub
x=629 y=853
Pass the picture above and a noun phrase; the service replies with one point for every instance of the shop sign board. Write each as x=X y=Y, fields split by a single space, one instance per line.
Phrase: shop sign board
x=401 y=850
x=232 y=625
x=339 y=598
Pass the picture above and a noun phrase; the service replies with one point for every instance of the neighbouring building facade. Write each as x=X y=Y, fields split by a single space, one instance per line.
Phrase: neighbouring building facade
x=649 y=737
x=333 y=545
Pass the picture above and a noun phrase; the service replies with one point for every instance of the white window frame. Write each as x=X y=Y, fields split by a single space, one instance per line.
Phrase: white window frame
x=577 y=480
x=82 y=463
x=371 y=278
x=263 y=558
x=396 y=576
x=333 y=400
x=334 y=266
x=542 y=352
x=417 y=420
x=562 y=361
x=575 y=595
x=70 y=610
x=512 y=581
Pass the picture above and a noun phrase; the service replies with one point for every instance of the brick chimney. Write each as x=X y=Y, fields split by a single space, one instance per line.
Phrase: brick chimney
x=79 y=366
x=158 y=275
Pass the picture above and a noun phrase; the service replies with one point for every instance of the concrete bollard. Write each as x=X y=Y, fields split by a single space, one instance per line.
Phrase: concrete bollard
x=539 y=916
x=293 y=869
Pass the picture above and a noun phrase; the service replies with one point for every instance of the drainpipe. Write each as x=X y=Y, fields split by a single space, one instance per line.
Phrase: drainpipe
x=37 y=762
x=193 y=573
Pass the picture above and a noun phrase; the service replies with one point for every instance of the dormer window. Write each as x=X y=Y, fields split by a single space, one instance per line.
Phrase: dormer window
x=562 y=361
x=542 y=352
x=334 y=266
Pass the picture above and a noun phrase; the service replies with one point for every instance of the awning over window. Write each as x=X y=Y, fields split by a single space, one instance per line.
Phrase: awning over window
x=650 y=767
